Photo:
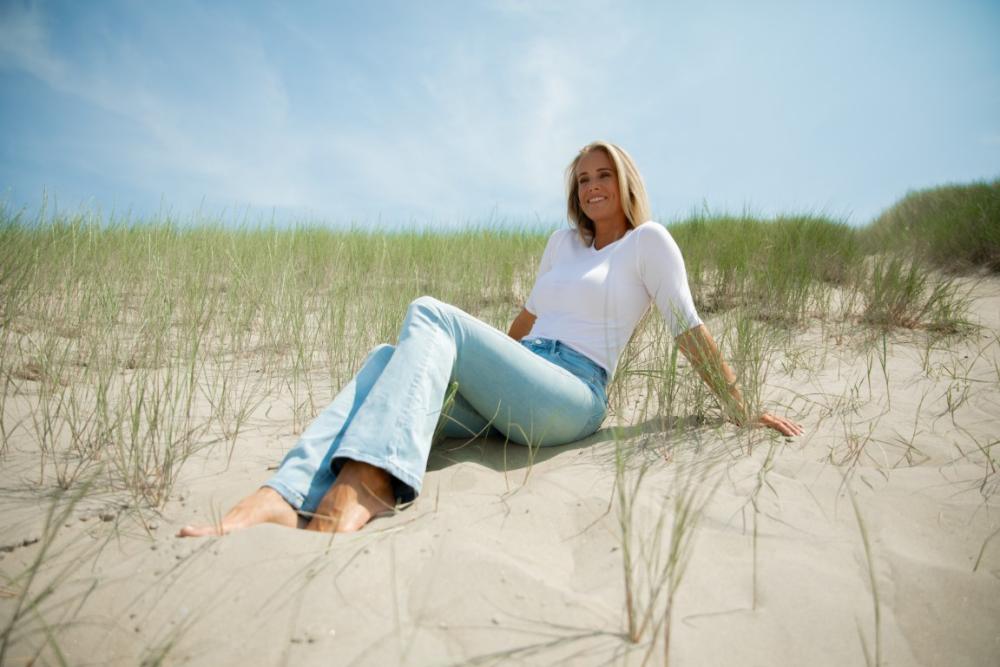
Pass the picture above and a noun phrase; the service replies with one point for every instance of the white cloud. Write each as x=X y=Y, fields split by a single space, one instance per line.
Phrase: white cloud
x=24 y=43
x=240 y=153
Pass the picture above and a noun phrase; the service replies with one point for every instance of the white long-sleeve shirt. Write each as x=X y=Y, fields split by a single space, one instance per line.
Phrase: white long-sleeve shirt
x=592 y=300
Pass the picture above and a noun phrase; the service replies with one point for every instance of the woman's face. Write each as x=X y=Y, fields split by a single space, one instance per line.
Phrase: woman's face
x=597 y=186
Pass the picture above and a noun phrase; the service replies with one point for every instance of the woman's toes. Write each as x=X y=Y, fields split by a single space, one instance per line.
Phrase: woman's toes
x=198 y=531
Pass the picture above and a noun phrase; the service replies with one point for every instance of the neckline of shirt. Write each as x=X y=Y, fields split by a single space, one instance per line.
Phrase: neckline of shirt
x=618 y=240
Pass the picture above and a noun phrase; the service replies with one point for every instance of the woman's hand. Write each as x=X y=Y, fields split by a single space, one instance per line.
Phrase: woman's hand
x=700 y=348
x=783 y=426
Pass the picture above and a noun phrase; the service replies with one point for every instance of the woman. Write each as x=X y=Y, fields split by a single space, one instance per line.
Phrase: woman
x=541 y=384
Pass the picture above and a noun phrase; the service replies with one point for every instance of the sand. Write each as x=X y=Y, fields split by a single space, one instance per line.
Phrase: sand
x=874 y=536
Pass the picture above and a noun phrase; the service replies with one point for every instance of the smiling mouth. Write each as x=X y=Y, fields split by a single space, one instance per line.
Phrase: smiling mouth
x=596 y=200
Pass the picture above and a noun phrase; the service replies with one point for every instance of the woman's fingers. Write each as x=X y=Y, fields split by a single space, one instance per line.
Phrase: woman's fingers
x=783 y=426
x=780 y=424
x=788 y=427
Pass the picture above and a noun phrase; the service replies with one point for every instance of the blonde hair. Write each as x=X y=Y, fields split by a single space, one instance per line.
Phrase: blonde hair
x=631 y=190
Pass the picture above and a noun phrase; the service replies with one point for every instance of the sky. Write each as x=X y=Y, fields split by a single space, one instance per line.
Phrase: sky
x=444 y=113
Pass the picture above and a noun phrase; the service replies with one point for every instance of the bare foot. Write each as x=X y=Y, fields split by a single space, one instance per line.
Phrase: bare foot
x=360 y=492
x=265 y=505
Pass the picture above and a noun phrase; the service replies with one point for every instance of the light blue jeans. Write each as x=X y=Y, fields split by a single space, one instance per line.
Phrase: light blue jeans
x=535 y=392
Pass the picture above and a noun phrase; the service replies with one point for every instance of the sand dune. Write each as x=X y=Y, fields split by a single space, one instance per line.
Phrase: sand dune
x=509 y=558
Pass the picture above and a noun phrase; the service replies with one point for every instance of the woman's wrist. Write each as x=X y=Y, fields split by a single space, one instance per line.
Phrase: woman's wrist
x=736 y=404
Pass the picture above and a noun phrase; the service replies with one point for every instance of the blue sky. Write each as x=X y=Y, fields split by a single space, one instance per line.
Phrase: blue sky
x=441 y=113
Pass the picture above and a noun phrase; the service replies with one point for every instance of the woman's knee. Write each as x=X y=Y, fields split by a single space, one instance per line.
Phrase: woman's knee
x=432 y=308
x=426 y=303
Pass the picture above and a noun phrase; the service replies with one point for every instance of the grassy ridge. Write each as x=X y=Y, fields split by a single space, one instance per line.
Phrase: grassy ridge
x=953 y=227
x=781 y=267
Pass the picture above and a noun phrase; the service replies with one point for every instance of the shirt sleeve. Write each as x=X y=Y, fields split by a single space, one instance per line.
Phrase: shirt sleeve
x=661 y=269
x=548 y=259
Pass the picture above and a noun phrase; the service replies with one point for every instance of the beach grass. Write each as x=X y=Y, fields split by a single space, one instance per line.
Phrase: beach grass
x=126 y=348
x=117 y=335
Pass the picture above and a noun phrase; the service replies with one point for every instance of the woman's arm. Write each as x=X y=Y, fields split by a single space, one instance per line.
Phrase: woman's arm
x=699 y=347
x=521 y=326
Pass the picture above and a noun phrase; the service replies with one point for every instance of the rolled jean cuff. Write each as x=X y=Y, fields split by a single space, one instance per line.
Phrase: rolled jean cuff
x=292 y=497
x=405 y=485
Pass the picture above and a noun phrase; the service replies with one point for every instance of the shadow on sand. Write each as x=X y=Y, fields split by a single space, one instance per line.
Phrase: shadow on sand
x=498 y=454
